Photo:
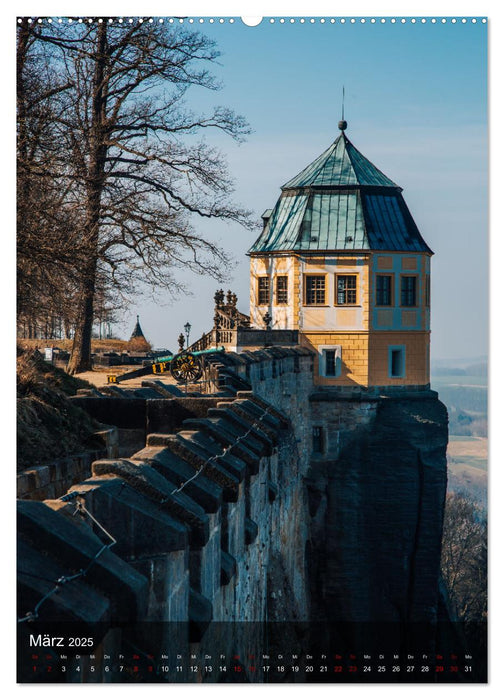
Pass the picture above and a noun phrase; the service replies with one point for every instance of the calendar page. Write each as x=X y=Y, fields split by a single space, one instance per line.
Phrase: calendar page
x=252 y=322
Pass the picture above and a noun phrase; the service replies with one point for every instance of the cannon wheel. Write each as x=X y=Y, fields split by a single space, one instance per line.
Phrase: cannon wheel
x=186 y=367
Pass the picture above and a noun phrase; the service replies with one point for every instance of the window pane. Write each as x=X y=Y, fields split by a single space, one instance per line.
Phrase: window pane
x=346 y=286
x=408 y=291
x=315 y=289
x=330 y=363
x=281 y=289
x=383 y=290
x=263 y=291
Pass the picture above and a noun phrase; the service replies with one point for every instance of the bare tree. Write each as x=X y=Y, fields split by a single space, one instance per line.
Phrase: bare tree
x=464 y=558
x=129 y=149
x=49 y=242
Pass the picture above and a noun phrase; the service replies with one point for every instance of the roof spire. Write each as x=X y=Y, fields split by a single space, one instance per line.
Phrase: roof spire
x=137 y=331
x=342 y=125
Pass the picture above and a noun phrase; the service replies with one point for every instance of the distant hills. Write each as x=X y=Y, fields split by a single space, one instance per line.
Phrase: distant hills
x=462 y=385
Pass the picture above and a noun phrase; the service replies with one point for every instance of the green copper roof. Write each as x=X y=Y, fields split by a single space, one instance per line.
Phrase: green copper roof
x=341 y=164
x=341 y=201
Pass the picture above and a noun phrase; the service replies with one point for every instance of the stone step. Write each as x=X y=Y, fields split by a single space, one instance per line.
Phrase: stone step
x=211 y=449
x=159 y=490
x=166 y=390
x=75 y=548
x=202 y=490
x=141 y=527
x=36 y=576
x=253 y=415
x=241 y=448
x=263 y=404
x=192 y=453
x=242 y=424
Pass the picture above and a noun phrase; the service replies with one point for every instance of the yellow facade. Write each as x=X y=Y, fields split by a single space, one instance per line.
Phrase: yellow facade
x=332 y=300
x=354 y=361
x=417 y=370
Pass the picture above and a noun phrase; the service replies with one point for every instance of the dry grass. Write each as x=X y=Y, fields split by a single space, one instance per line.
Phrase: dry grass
x=112 y=345
x=49 y=426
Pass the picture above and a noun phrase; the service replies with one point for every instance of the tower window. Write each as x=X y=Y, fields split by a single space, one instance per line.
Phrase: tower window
x=330 y=361
x=318 y=439
x=397 y=361
x=281 y=289
x=346 y=290
x=263 y=291
x=383 y=290
x=315 y=290
x=408 y=290
x=427 y=290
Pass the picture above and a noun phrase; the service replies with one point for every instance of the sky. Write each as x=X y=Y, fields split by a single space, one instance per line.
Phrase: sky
x=416 y=106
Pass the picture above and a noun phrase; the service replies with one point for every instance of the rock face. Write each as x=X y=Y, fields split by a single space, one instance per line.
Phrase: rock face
x=379 y=535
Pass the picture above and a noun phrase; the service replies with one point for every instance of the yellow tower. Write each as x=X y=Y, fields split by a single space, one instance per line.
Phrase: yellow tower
x=341 y=260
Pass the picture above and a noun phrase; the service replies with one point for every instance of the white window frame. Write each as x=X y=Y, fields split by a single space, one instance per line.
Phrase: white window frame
x=322 y=360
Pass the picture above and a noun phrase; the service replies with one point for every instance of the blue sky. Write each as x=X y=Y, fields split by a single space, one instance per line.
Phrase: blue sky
x=416 y=106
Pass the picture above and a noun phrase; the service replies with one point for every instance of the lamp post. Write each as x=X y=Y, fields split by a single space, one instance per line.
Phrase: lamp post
x=187 y=329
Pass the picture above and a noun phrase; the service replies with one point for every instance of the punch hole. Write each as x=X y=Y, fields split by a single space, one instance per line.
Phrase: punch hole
x=251 y=21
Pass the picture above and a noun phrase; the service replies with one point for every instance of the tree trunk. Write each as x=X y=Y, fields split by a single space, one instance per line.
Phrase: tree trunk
x=80 y=360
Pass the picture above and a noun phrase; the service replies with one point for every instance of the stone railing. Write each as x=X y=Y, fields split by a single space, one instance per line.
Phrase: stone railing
x=209 y=521
x=53 y=479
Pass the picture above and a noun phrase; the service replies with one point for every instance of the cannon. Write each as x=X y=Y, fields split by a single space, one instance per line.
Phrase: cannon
x=184 y=367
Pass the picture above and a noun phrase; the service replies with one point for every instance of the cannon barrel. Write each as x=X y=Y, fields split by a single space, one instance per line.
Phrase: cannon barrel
x=155 y=368
x=169 y=358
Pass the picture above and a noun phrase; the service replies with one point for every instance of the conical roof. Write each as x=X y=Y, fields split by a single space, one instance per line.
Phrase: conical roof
x=338 y=166
x=340 y=201
x=137 y=330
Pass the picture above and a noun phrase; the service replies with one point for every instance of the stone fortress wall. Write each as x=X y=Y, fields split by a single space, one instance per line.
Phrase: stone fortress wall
x=226 y=514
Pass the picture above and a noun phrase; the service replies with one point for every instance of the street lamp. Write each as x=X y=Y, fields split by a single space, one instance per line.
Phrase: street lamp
x=187 y=329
